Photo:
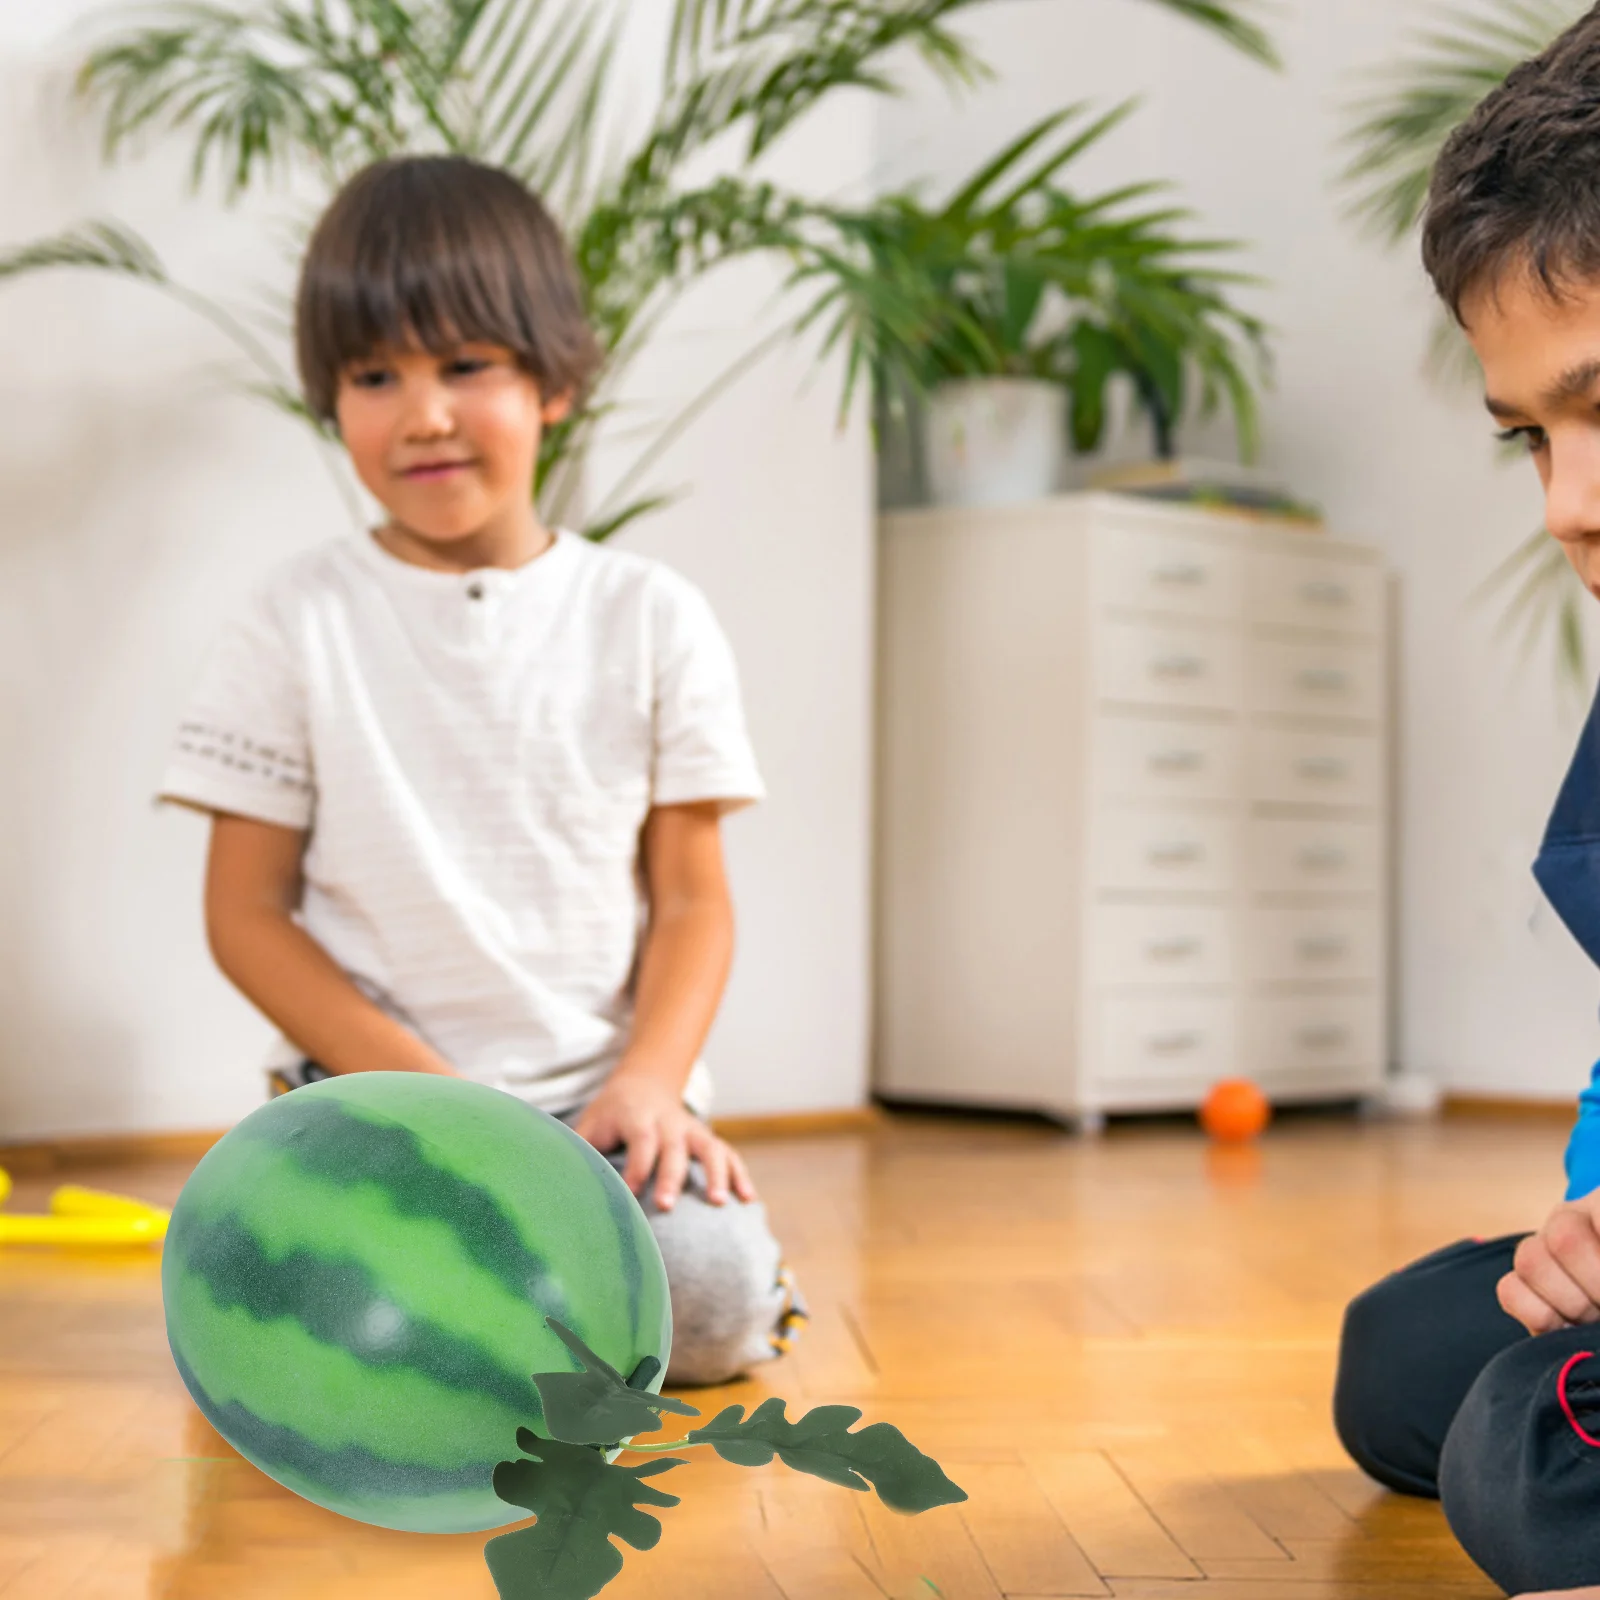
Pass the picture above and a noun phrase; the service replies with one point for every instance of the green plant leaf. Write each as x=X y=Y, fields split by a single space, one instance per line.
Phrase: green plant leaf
x=101 y=245
x=1233 y=22
x=597 y=1405
x=1539 y=596
x=1096 y=357
x=821 y=1444
x=1399 y=126
x=581 y=1501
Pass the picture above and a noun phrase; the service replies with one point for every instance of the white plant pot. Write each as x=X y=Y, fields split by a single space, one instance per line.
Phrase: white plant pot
x=995 y=441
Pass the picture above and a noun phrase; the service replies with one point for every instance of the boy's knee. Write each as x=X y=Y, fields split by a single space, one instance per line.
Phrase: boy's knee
x=1520 y=1475
x=732 y=1304
x=1371 y=1409
x=1411 y=1347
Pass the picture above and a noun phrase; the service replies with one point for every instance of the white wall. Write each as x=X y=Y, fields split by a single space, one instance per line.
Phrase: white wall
x=775 y=522
x=142 y=498
x=1495 y=996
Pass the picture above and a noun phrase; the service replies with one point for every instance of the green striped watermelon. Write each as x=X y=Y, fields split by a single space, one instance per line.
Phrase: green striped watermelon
x=356 y=1279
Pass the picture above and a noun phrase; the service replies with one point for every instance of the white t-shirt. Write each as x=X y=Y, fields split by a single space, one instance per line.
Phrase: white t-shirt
x=474 y=755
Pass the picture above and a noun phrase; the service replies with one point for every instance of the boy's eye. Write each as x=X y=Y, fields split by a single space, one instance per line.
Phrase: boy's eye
x=368 y=377
x=1532 y=440
x=465 y=366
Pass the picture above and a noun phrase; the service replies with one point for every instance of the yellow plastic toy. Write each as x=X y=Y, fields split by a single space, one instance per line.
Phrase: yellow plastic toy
x=80 y=1216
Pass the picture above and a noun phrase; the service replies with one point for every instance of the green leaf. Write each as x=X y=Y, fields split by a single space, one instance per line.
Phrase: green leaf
x=600 y=529
x=1097 y=356
x=597 y=1405
x=1417 y=101
x=1540 y=595
x=821 y=1444
x=102 y=245
x=1234 y=24
x=581 y=1500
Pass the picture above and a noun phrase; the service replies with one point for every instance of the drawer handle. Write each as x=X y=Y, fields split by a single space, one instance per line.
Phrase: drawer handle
x=1329 y=1037
x=1179 y=949
x=1324 y=680
x=1175 y=1044
x=1179 y=667
x=1180 y=853
x=1180 y=575
x=1177 y=761
x=1325 y=592
x=1323 y=769
x=1323 y=947
x=1324 y=858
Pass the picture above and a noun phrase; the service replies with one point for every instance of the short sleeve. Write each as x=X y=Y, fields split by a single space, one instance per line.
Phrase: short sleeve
x=1583 y=1144
x=702 y=748
x=241 y=745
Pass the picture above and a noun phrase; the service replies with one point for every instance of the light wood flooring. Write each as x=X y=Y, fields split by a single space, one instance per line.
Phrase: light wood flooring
x=1121 y=1349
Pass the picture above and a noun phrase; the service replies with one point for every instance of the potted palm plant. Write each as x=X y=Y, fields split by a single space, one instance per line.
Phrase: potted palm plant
x=1000 y=319
x=264 y=88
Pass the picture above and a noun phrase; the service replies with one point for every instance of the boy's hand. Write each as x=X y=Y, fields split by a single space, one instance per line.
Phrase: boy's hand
x=1555 y=1281
x=661 y=1135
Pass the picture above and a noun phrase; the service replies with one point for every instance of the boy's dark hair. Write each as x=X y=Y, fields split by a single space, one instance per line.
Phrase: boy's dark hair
x=1517 y=185
x=435 y=250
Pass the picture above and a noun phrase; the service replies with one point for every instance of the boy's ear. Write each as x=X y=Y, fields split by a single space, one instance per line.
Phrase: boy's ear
x=555 y=410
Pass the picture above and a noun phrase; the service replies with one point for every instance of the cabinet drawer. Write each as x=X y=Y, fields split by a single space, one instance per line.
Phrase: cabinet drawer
x=1134 y=848
x=1176 y=1039
x=1160 y=664
x=1295 y=591
x=1299 y=1035
x=1167 y=572
x=1135 y=758
x=1334 y=769
x=1160 y=944
x=1329 y=944
x=1324 y=680
x=1293 y=856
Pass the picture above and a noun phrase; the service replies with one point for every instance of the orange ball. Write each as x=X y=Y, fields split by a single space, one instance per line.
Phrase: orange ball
x=1235 y=1111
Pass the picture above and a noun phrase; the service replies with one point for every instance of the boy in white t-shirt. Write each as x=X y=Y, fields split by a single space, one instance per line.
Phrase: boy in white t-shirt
x=465 y=773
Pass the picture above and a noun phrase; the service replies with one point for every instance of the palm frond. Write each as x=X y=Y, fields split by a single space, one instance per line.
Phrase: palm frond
x=260 y=89
x=540 y=69
x=1419 y=100
x=104 y=246
x=912 y=294
x=1540 y=597
x=599 y=529
x=664 y=438
x=1235 y=23
x=99 y=245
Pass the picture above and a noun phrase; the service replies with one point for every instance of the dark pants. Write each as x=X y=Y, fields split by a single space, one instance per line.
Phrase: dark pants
x=1440 y=1393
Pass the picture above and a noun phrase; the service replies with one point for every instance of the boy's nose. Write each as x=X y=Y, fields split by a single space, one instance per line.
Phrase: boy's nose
x=1572 y=495
x=429 y=414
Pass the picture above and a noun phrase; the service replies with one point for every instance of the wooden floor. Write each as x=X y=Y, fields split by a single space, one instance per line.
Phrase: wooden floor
x=1122 y=1350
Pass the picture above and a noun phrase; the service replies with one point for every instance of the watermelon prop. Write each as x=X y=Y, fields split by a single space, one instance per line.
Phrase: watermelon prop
x=357 y=1279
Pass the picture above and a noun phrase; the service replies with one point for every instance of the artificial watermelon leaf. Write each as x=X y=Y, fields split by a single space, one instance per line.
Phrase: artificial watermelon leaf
x=580 y=1499
x=821 y=1443
x=597 y=1405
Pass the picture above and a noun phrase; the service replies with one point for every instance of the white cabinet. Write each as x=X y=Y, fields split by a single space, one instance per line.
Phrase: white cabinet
x=1132 y=807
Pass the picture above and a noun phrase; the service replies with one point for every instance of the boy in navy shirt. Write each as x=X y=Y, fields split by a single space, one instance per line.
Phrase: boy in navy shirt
x=1474 y=1374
